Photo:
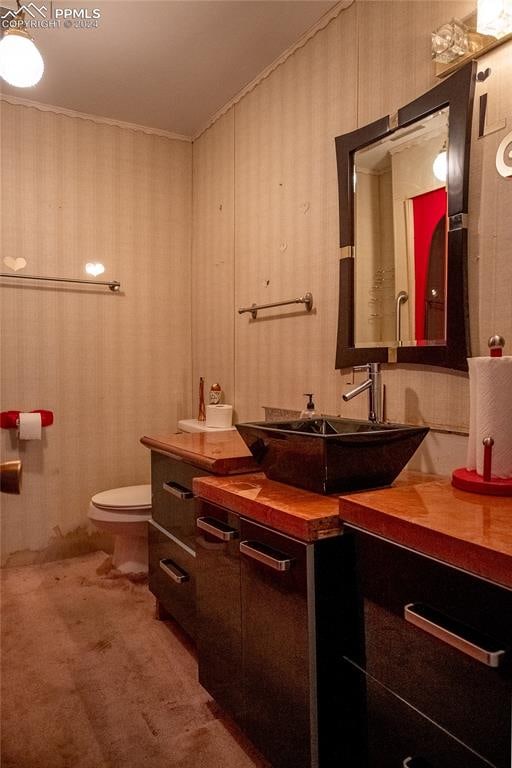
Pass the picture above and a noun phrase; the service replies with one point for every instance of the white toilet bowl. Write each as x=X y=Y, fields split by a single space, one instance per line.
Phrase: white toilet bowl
x=124 y=513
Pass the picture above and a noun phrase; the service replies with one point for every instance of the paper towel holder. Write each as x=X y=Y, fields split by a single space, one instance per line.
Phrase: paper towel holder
x=468 y=479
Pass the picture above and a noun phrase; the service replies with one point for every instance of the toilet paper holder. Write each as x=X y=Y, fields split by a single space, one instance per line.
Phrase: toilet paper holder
x=11 y=419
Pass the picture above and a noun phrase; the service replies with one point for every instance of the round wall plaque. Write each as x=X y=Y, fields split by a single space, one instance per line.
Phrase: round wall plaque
x=504 y=157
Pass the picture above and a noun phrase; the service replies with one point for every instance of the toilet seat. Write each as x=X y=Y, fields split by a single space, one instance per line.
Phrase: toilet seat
x=127 y=499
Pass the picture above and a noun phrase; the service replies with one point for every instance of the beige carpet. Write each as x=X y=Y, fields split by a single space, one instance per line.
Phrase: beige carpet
x=90 y=679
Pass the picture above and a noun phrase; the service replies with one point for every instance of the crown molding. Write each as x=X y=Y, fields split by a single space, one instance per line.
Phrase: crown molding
x=16 y=100
x=322 y=23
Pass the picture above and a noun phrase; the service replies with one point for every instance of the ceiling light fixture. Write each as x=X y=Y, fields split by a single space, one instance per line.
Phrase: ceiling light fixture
x=21 y=64
x=458 y=40
x=494 y=17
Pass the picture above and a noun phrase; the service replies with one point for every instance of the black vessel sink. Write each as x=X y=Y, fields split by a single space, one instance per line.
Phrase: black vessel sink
x=331 y=455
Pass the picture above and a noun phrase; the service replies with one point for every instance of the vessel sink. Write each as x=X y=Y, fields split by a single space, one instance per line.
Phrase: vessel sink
x=331 y=455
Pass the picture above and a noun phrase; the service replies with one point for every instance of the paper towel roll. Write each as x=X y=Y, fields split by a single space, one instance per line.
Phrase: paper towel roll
x=30 y=426
x=219 y=416
x=490 y=413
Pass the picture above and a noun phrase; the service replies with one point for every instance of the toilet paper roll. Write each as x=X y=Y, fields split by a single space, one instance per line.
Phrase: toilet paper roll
x=30 y=426
x=219 y=416
x=490 y=413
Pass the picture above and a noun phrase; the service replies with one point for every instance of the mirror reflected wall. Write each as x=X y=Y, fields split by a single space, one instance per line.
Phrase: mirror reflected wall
x=403 y=202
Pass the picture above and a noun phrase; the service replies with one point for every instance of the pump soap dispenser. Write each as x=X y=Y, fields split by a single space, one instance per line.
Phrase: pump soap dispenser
x=309 y=412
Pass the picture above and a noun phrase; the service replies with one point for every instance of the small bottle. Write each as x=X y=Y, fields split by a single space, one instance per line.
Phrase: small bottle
x=309 y=412
x=202 y=413
x=215 y=394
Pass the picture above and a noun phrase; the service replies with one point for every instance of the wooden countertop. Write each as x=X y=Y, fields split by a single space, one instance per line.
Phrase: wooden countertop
x=467 y=530
x=302 y=514
x=222 y=453
x=427 y=514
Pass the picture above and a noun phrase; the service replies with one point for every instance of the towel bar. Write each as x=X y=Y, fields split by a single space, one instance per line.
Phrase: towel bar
x=307 y=299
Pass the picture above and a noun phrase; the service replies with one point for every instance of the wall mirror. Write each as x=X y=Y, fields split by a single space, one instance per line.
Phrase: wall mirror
x=403 y=183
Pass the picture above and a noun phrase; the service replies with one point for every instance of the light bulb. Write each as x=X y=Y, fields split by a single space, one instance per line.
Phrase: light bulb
x=440 y=166
x=494 y=17
x=21 y=64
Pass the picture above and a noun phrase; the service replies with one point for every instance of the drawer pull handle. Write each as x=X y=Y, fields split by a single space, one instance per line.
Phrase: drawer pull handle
x=172 y=570
x=175 y=489
x=262 y=554
x=216 y=528
x=423 y=618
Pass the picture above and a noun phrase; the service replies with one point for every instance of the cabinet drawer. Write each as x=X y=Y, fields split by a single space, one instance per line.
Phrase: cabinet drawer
x=277 y=640
x=382 y=731
x=172 y=500
x=172 y=577
x=432 y=633
x=219 y=623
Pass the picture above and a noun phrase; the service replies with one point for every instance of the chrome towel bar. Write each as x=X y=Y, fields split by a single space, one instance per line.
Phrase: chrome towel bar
x=113 y=285
x=307 y=299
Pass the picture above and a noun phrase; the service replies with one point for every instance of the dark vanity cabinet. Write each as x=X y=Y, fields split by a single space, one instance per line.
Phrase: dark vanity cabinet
x=426 y=661
x=265 y=643
x=219 y=621
x=172 y=534
x=278 y=645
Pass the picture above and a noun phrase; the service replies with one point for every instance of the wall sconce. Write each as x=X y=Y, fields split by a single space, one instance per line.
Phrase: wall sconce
x=458 y=40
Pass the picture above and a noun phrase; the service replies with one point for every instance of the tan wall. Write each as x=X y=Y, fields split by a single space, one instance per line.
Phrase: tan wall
x=213 y=261
x=370 y=60
x=111 y=367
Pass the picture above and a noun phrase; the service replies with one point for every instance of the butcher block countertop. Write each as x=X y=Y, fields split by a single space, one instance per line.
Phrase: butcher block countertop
x=302 y=514
x=467 y=530
x=223 y=453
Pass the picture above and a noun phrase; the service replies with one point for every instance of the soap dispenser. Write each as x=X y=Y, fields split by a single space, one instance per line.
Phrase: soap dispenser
x=309 y=412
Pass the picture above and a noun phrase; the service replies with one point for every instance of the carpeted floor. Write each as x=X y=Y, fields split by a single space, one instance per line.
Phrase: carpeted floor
x=90 y=679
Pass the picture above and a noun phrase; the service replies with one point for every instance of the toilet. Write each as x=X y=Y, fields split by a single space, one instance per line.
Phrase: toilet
x=124 y=513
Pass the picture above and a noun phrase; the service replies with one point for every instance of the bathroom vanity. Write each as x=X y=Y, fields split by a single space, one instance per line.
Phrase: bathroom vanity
x=410 y=607
x=175 y=460
x=268 y=630
x=426 y=661
x=370 y=631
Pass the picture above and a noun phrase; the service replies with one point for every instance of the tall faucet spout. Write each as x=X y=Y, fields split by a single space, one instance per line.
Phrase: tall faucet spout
x=357 y=390
x=373 y=385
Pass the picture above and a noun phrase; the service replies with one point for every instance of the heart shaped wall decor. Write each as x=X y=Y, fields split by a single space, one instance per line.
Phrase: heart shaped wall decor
x=94 y=269
x=15 y=264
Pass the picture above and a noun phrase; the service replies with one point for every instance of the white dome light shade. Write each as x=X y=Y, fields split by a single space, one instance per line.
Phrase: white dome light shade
x=440 y=166
x=21 y=64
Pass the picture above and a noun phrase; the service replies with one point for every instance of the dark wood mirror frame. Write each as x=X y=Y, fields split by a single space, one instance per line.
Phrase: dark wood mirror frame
x=456 y=92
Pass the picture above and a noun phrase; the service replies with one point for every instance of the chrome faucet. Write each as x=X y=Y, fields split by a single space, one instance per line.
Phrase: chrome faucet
x=374 y=387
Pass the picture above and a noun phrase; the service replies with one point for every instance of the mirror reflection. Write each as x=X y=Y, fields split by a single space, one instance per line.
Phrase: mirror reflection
x=400 y=200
